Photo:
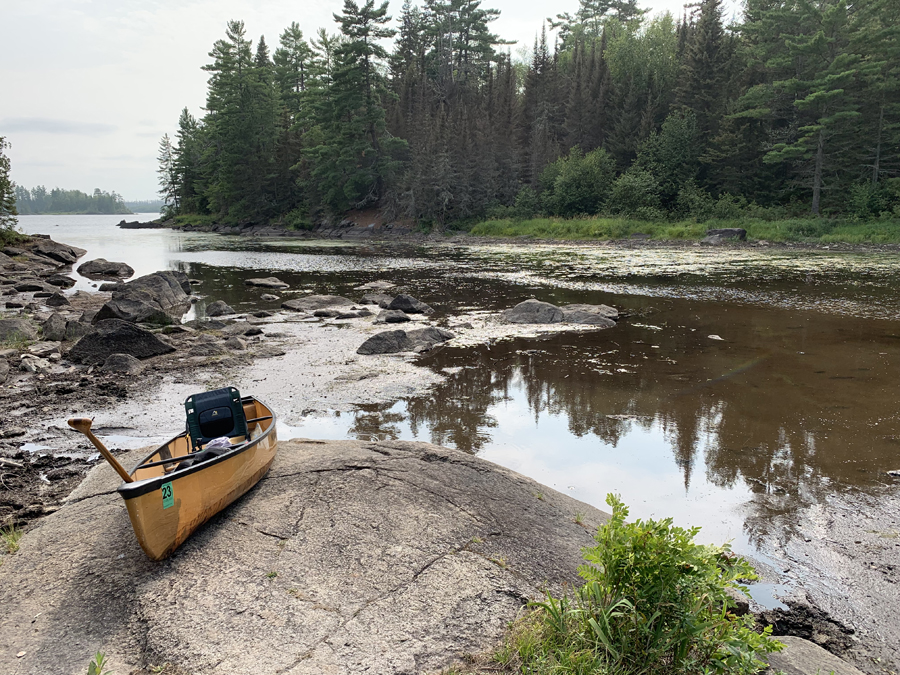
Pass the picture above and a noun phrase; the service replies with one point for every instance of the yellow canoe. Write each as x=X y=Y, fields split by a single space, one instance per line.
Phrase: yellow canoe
x=167 y=500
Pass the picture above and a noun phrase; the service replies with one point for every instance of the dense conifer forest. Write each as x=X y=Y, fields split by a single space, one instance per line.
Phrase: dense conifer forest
x=793 y=110
x=41 y=200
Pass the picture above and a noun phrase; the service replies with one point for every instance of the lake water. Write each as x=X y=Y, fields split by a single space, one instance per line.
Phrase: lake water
x=745 y=387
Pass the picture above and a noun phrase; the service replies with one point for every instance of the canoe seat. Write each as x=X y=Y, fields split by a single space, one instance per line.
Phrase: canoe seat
x=213 y=414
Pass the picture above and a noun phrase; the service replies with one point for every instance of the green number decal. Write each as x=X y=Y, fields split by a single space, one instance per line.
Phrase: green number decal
x=168 y=495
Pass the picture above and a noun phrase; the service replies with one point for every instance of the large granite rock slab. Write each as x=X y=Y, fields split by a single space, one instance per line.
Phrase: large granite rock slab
x=61 y=253
x=348 y=557
x=161 y=297
x=802 y=657
x=104 y=269
x=313 y=302
x=114 y=336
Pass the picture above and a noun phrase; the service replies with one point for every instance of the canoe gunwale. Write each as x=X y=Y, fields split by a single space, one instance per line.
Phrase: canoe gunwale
x=138 y=488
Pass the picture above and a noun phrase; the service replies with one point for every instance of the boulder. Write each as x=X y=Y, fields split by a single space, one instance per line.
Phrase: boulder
x=313 y=302
x=34 y=364
x=269 y=297
x=122 y=363
x=60 y=281
x=4 y=370
x=219 y=308
x=16 y=329
x=602 y=310
x=111 y=286
x=423 y=339
x=54 y=328
x=801 y=657
x=268 y=282
x=76 y=330
x=57 y=300
x=31 y=285
x=208 y=349
x=410 y=556
x=534 y=311
x=236 y=344
x=408 y=304
x=104 y=269
x=392 y=316
x=388 y=342
x=396 y=341
x=62 y=253
x=114 y=336
x=159 y=298
x=379 y=299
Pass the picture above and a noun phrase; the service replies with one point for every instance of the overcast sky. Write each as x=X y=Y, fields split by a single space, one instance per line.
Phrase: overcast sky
x=90 y=86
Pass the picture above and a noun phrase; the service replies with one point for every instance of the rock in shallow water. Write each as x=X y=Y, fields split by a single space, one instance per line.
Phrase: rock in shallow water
x=313 y=302
x=104 y=269
x=396 y=341
x=534 y=311
x=267 y=282
x=408 y=304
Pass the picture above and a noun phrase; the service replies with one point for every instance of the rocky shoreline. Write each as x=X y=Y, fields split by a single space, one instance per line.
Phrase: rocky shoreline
x=44 y=386
x=351 y=230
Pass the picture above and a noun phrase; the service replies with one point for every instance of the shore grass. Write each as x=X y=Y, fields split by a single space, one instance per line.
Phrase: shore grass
x=808 y=230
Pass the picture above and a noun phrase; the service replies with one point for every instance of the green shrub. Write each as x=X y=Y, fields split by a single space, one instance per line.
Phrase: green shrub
x=652 y=601
x=577 y=184
x=634 y=192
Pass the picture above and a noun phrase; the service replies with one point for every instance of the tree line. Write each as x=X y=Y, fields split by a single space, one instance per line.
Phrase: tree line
x=794 y=109
x=40 y=200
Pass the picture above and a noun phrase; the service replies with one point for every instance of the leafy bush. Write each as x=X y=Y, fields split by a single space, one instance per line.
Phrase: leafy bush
x=653 y=601
x=577 y=184
x=635 y=192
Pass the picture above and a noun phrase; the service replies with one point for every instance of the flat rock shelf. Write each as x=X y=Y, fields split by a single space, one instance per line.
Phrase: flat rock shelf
x=348 y=557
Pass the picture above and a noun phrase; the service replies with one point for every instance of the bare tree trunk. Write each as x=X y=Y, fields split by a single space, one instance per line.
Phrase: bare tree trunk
x=817 y=176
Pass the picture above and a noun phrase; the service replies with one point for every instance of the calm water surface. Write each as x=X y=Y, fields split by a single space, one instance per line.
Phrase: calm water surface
x=745 y=386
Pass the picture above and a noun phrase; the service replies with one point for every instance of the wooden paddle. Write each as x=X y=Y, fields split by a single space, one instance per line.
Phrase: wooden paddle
x=83 y=424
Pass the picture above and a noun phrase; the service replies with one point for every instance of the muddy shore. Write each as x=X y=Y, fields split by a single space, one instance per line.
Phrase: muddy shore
x=843 y=579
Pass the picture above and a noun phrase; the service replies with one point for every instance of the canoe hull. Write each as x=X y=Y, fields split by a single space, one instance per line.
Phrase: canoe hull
x=166 y=509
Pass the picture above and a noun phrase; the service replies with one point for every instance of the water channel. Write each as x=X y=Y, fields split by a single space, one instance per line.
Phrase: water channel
x=745 y=386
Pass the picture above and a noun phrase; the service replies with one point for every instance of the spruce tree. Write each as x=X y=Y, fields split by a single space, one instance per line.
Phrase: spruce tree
x=8 y=210
x=168 y=177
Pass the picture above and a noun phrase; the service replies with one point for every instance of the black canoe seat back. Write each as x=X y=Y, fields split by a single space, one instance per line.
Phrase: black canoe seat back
x=213 y=414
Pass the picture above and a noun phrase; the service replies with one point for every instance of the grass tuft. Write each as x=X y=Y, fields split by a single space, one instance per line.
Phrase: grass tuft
x=9 y=538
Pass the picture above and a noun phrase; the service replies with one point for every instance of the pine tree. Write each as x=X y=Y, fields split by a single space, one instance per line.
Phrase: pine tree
x=293 y=65
x=8 y=210
x=704 y=75
x=353 y=161
x=168 y=177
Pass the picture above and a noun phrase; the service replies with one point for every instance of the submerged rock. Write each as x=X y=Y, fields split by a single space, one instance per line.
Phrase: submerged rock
x=114 y=336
